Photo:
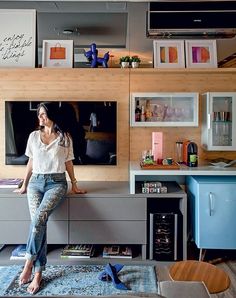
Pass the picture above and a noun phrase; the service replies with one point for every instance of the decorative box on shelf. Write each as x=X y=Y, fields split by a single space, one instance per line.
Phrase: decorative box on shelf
x=164 y=109
x=154 y=187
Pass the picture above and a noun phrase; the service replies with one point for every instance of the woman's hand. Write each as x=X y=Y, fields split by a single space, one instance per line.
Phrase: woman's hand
x=76 y=190
x=21 y=190
x=29 y=167
x=74 y=187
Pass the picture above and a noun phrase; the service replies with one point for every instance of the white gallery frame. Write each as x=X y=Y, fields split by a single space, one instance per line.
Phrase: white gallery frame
x=168 y=54
x=201 y=53
x=17 y=37
x=66 y=62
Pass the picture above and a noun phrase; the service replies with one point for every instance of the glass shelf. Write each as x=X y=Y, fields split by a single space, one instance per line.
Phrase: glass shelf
x=164 y=109
x=218 y=121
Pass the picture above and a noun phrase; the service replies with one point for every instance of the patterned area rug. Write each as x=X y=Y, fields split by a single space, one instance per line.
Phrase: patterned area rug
x=79 y=280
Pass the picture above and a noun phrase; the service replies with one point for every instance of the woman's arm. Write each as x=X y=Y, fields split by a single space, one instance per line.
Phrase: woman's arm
x=28 y=174
x=70 y=171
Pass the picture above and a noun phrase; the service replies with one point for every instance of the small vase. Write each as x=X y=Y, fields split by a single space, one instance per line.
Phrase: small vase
x=135 y=64
x=124 y=64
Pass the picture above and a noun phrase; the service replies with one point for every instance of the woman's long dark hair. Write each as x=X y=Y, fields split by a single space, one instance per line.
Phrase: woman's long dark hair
x=53 y=112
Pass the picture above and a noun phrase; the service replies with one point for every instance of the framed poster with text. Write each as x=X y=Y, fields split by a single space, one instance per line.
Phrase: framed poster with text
x=17 y=37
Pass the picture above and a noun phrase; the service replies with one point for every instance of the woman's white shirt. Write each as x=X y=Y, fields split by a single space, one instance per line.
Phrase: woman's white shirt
x=48 y=159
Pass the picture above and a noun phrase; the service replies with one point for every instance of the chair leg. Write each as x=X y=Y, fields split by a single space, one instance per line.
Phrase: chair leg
x=202 y=254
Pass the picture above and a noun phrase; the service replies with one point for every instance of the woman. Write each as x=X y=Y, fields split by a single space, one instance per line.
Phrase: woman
x=50 y=155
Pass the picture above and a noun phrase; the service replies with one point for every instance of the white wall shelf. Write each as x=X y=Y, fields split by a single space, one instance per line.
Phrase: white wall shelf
x=164 y=109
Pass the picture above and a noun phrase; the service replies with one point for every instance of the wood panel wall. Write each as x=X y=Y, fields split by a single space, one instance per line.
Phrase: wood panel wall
x=112 y=84
x=185 y=80
x=70 y=84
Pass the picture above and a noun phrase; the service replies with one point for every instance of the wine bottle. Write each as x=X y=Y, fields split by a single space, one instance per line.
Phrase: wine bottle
x=137 y=112
x=143 y=116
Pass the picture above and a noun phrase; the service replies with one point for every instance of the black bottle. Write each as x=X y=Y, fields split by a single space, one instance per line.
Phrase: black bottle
x=192 y=152
x=137 y=112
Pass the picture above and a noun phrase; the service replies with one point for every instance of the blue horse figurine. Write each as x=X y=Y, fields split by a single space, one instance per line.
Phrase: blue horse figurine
x=93 y=58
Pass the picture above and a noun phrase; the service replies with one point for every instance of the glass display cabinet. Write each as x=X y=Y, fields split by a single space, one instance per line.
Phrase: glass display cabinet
x=164 y=109
x=219 y=121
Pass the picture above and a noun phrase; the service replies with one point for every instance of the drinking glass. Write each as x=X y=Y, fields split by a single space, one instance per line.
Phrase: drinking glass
x=179 y=151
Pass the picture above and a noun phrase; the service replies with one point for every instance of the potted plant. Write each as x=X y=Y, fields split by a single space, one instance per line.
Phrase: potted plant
x=125 y=61
x=135 y=61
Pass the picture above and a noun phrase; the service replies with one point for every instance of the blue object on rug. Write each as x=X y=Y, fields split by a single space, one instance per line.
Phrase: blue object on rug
x=79 y=280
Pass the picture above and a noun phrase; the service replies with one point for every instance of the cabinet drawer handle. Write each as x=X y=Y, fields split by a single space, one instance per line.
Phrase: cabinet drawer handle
x=211 y=203
x=208 y=121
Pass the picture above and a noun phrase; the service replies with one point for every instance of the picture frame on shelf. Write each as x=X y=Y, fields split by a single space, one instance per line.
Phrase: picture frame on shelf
x=17 y=38
x=168 y=54
x=201 y=53
x=57 y=53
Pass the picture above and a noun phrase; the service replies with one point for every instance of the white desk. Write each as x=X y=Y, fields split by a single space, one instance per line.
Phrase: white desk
x=139 y=174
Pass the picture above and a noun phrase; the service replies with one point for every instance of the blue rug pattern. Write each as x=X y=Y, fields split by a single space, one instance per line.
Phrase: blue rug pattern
x=79 y=280
x=7 y=275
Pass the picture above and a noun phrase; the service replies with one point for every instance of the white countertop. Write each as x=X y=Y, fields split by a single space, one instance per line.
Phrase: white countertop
x=137 y=173
x=135 y=169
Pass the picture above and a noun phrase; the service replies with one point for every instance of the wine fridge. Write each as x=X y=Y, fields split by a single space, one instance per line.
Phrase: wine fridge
x=163 y=240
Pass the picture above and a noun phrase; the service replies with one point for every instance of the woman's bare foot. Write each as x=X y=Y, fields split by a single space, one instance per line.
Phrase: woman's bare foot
x=25 y=276
x=35 y=284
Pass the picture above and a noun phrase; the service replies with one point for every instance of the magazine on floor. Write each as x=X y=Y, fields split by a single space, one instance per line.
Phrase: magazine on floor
x=117 y=251
x=78 y=251
x=18 y=252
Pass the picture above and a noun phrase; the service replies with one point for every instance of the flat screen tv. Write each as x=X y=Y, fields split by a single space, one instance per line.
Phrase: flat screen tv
x=91 y=124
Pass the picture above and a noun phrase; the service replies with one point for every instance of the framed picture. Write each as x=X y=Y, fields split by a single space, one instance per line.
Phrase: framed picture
x=17 y=37
x=201 y=53
x=57 y=53
x=168 y=53
x=33 y=105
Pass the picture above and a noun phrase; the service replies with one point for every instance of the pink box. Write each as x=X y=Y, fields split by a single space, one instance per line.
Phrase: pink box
x=157 y=145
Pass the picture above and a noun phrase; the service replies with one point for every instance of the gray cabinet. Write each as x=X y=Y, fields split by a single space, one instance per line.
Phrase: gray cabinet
x=116 y=220
x=107 y=232
x=15 y=220
x=106 y=214
x=107 y=208
x=13 y=231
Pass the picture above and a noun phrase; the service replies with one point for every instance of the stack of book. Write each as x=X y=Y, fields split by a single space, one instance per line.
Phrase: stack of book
x=11 y=183
x=19 y=252
x=117 y=251
x=78 y=251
